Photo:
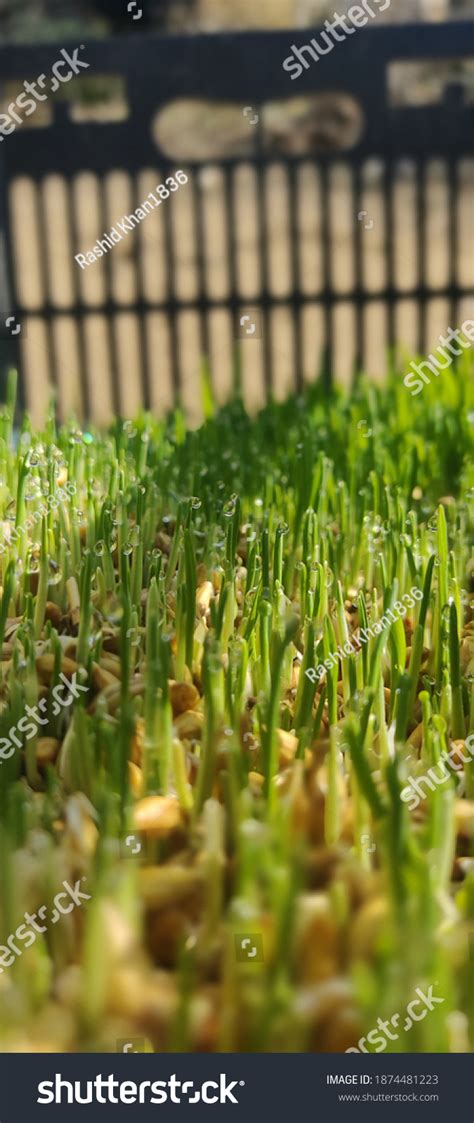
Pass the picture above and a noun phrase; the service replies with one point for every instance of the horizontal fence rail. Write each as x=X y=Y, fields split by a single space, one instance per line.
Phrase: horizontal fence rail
x=258 y=260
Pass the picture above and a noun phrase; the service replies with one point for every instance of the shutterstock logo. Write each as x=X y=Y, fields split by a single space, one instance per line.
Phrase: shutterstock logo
x=10 y=120
x=107 y=1089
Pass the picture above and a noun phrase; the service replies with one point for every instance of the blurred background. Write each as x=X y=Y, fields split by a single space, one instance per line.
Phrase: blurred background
x=327 y=225
x=22 y=19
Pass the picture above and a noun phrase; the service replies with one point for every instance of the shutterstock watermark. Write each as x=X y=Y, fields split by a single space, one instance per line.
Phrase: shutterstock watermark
x=434 y=365
x=51 y=504
x=31 y=929
x=109 y=1090
x=389 y=618
x=130 y=221
x=29 y=725
x=10 y=120
x=339 y=30
x=383 y=1033
x=433 y=778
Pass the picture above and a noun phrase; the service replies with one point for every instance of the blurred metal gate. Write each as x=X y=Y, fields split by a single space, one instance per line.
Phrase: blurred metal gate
x=245 y=70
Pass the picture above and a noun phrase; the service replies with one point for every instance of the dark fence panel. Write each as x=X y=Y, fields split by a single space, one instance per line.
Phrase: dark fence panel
x=244 y=69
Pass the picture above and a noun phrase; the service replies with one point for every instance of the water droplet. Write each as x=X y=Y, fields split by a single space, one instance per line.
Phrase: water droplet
x=88 y=438
x=10 y=512
x=127 y=550
x=329 y=577
x=31 y=492
x=196 y=502
x=228 y=509
x=134 y=536
x=33 y=565
x=99 y=548
x=283 y=528
x=32 y=459
x=156 y=553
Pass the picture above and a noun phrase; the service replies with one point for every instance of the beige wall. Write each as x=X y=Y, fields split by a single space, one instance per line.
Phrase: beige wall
x=247 y=13
x=294 y=13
